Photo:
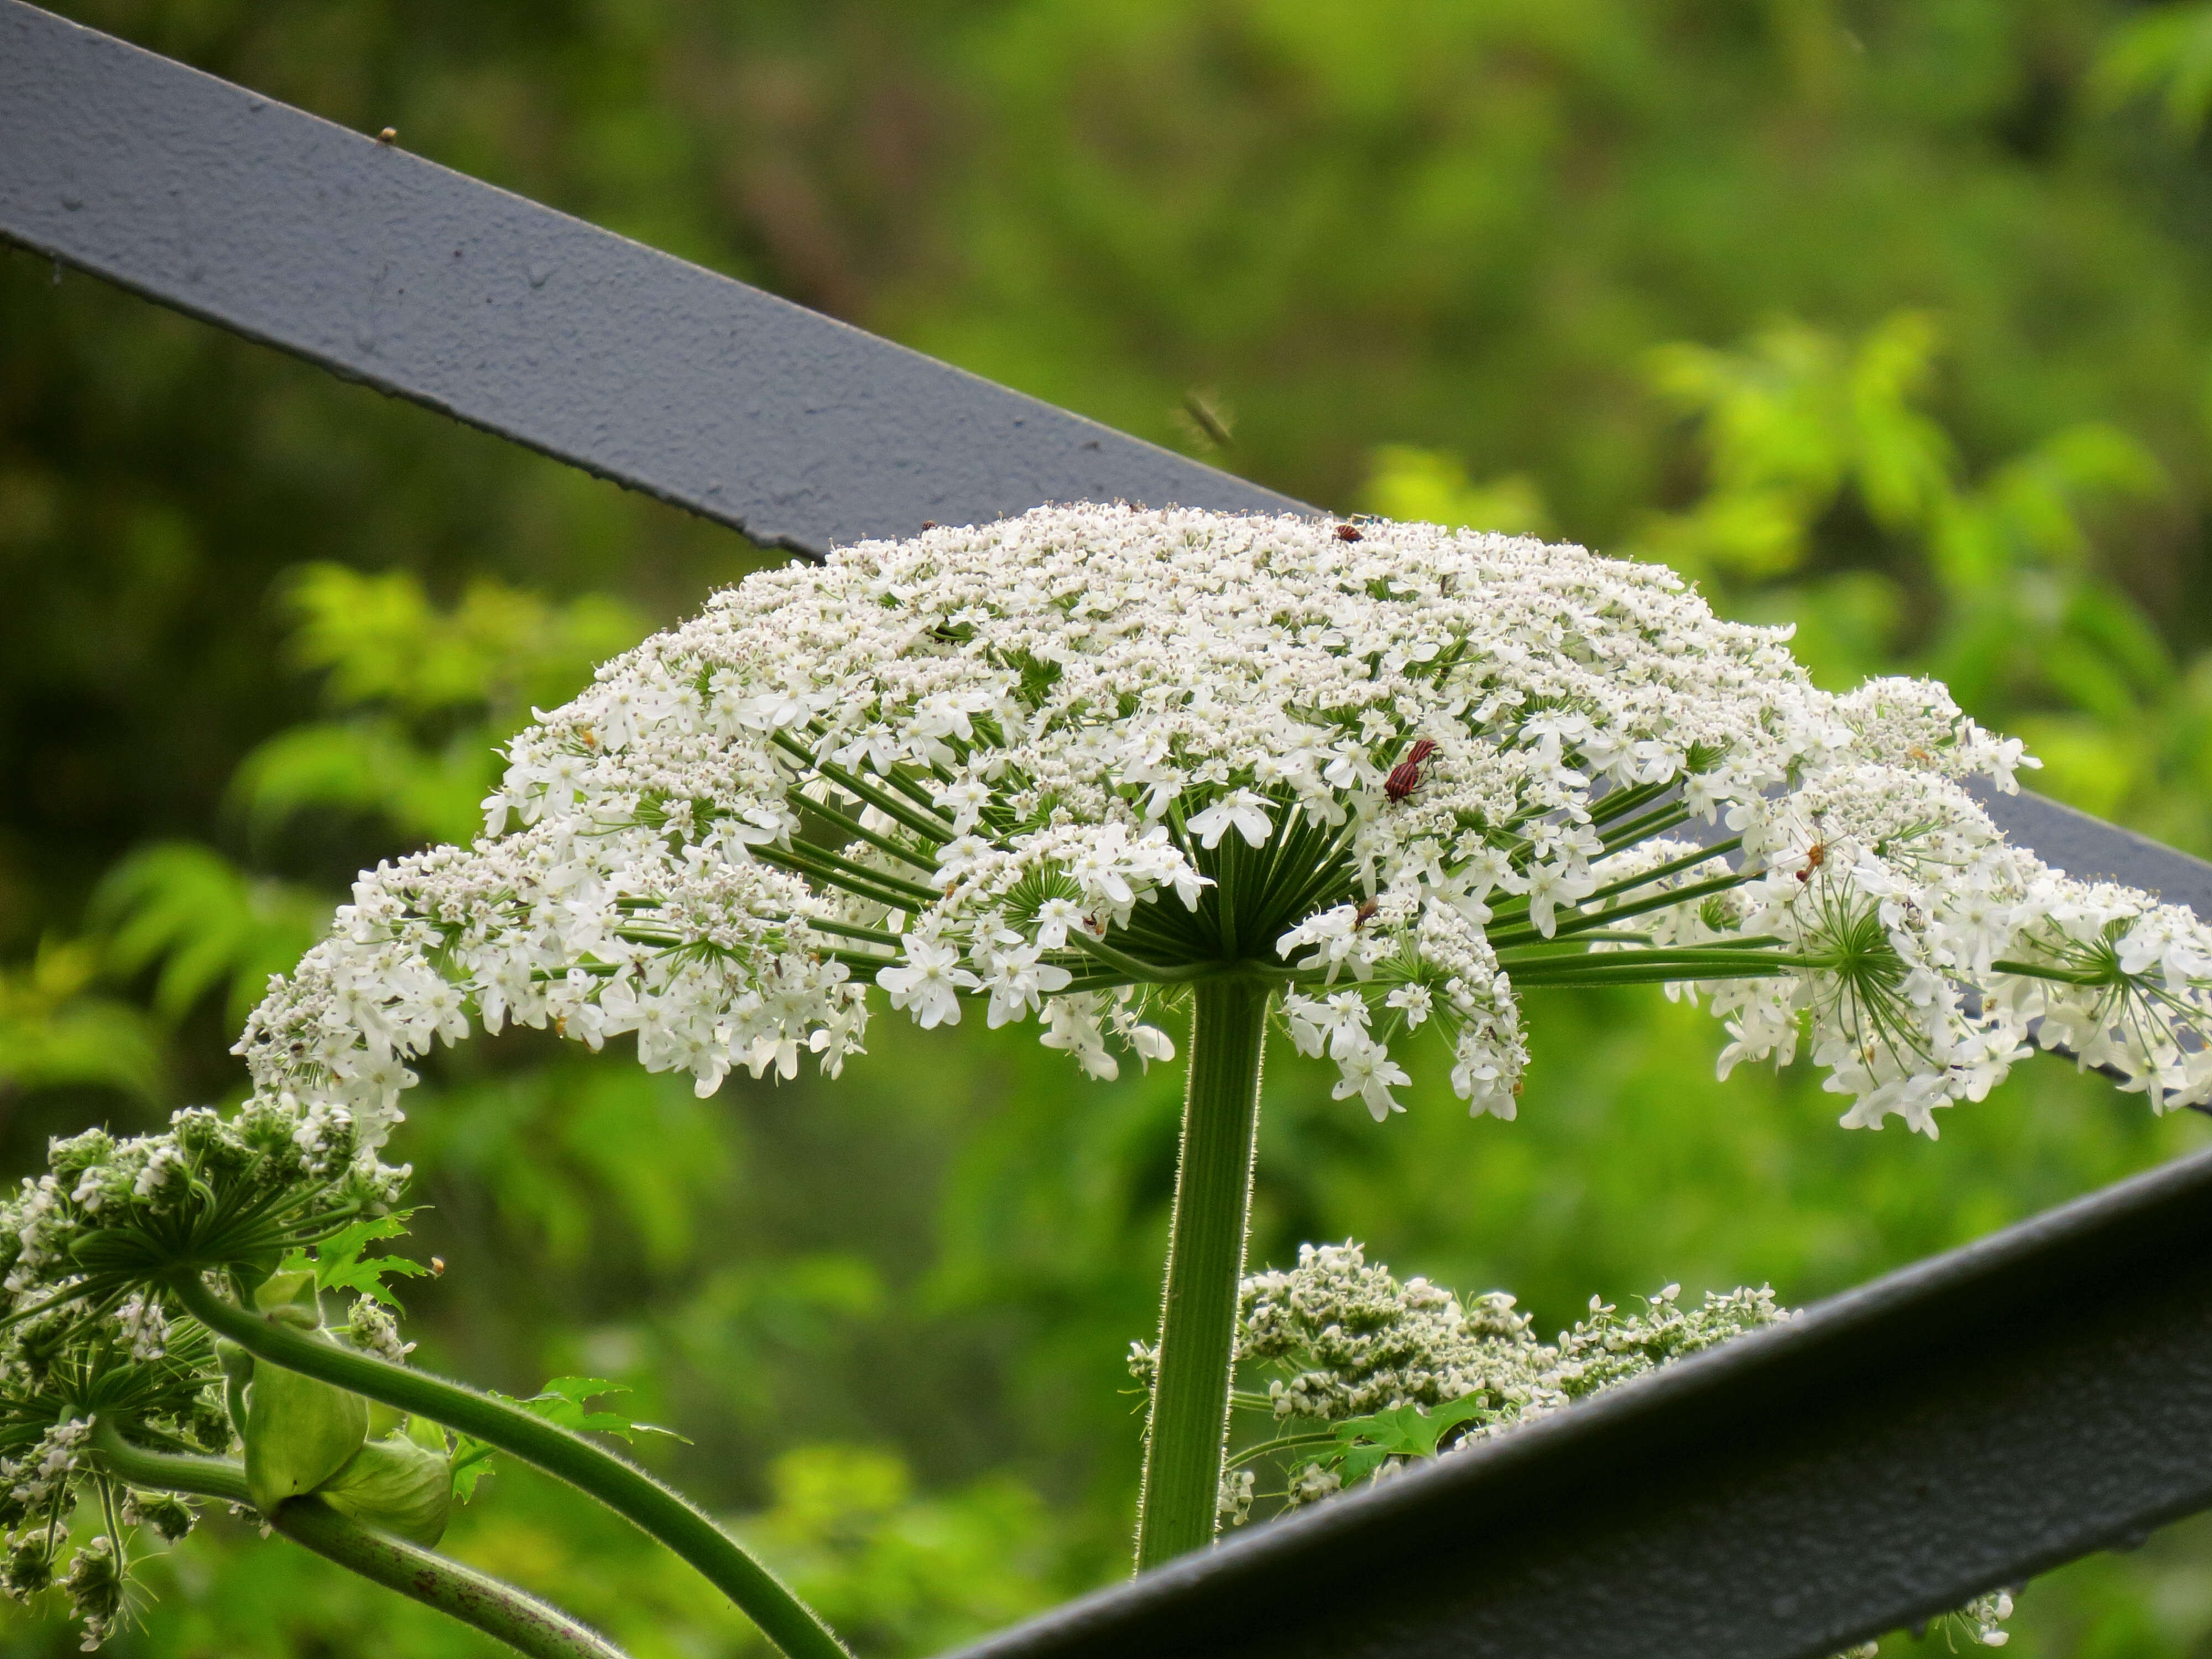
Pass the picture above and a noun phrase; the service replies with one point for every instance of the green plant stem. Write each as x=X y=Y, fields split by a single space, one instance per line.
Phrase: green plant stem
x=661 y=1514
x=1123 y=963
x=498 y=1609
x=1189 y=1426
x=201 y=1477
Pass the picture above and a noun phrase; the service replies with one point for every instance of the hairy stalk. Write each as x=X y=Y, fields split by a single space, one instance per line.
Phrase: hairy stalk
x=200 y=1477
x=499 y=1610
x=1189 y=1426
x=635 y=1496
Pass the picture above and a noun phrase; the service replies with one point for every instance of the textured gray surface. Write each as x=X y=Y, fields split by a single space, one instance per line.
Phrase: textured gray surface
x=795 y=428
x=1963 y=1423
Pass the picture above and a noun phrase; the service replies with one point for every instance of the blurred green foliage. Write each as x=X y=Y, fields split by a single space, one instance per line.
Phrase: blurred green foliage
x=1892 y=319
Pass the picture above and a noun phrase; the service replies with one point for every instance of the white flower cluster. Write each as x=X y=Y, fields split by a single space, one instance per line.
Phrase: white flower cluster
x=38 y=1480
x=95 y=1584
x=87 y=1250
x=1353 y=1341
x=1346 y=1339
x=1056 y=764
x=1937 y=954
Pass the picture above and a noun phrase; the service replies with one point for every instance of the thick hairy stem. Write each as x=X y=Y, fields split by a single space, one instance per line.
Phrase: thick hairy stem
x=1206 y=1257
x=630 y=1492
x=499 y=1610
x=199 y=1477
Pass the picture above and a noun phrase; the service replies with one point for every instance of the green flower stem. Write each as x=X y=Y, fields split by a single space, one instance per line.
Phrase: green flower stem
x=630 y=1491
x=1754 y=963
x=2056 y=975
x=1503 y=937
x=1206 y=1257
x=1139 y=970
x=499 y=1610
x=1657 y=822
x=1633 y=967
x=852 y=827
x=846 y=930
x=839 y=870
x=928 y=825
x=1619 y=803
x=201 y=1477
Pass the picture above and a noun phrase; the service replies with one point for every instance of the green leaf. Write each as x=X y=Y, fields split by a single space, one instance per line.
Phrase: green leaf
x=1406 y=1432
x=567 y=1403
x=338 y=1265
x=55 y=1033
x=472 y=1462
x=205 y=921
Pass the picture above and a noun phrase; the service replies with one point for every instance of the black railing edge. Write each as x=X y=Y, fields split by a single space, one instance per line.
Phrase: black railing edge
x=1940 y=1299
x=794 y=429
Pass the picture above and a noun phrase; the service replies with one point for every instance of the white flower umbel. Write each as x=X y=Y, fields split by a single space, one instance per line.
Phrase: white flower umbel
x=1382 y=777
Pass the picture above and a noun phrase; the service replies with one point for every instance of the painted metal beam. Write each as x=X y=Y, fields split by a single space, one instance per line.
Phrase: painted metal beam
x=1961 y=1424
x=383 y=267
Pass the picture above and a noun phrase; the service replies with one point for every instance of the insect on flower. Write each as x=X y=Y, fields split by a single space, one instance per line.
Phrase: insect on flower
x=1349 y=532
x=1817 y=854
x=1406 y=777
x=1365 y=915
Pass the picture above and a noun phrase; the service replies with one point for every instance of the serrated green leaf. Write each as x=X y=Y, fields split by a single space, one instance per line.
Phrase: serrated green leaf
x=1406 y=1432
x=338 y=1265
x=567 y=1403
x=471 y=1461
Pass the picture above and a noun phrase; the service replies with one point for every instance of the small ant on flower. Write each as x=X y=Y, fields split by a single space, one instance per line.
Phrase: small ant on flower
x=1406 y=777
x=1815 y=856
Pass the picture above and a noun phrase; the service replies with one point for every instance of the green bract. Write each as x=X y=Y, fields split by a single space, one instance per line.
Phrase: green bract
x=397 y=1485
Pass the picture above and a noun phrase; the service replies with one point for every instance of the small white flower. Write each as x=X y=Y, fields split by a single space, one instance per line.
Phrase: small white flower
x=930 y=984
x=1369 y=1072
x=1240 y=810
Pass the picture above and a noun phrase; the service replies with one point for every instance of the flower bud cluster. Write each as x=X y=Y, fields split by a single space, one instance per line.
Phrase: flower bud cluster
x=87 y=1249
x=1351 y=1340
x=211 y=1191
x=1345 y=1340
x=1054 y=764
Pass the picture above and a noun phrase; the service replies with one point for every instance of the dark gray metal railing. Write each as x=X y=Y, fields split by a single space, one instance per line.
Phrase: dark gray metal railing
x=1958 y=1425
x=383 y=267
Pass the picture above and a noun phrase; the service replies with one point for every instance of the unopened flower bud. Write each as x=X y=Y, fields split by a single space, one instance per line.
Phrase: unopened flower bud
x=398 y=1484
x=167 y=1513
x=29 y=1567
x=300 y=1431
x=291 y=1297
x=94 y=1586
